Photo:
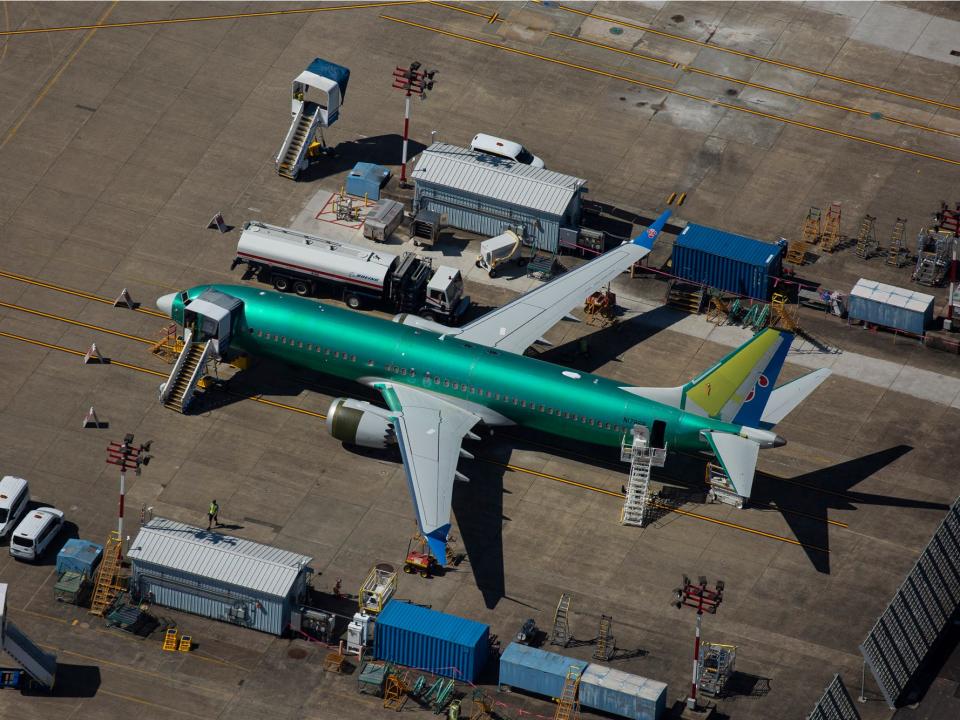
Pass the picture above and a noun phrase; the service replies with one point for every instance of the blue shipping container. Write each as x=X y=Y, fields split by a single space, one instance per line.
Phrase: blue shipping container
x=726 y=261
x=534 y=670
x=890 y=306
x=623 y=694
x=429 y=640
x=80 y=556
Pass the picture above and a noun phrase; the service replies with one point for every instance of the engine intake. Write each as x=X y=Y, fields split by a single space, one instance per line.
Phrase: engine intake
x=356 y=422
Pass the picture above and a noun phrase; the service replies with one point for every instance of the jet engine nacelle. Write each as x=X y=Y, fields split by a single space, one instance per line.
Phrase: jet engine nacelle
x=356 y=422
x=424 y=324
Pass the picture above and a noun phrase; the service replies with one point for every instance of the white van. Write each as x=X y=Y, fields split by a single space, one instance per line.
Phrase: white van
x=35 y=533
x=504 y=148
x=14 y=496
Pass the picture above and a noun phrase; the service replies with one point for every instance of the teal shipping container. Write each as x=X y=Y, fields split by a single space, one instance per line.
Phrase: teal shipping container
x=722 y=260
x=429 y=640
x=79 y=556
x=536 y=671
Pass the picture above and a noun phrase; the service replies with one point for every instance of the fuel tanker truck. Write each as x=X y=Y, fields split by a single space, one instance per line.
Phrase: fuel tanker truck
x=309 y=265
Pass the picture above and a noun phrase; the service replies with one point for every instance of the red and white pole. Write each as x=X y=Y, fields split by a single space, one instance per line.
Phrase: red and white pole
x=406 y=134
x=692 y=700
x=123 y=488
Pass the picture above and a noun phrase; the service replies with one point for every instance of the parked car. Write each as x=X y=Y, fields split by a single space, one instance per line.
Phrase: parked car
x=14 y=496
x=35 y=533
x=504 y=148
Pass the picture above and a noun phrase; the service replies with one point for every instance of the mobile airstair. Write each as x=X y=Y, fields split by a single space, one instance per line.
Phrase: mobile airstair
x=316 y=96
x=177 y=392
x=642 y=456
x=40 y=666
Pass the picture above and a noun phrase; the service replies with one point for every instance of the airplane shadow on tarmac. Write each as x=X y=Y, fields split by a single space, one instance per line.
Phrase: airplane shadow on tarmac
x=814 y=494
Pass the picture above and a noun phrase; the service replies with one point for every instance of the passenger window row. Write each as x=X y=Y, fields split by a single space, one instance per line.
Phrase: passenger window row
x=447 y=383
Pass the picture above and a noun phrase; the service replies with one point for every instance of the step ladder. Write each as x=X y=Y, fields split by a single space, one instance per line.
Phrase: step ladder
x=541 y=265
x=896 y=242
x=561 y=624
x=298 y=140
x=108 y=576
x=39 y=665
x=568 y=705
x=720 y=488
x=717 y=663
x=177 y=392
x=928 y=271
x=718 y=310
x=949 y=220
x=797 y=252
x=168 y=346
x=780 y=315
x=812 y=227
x=685 y=296
x=605 y=641
x=866 y=237
x=169 y=640
x=637 y=497
x=831 y=239
x=396 y=692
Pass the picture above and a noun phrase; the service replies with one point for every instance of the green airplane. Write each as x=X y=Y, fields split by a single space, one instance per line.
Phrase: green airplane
x=438 y=383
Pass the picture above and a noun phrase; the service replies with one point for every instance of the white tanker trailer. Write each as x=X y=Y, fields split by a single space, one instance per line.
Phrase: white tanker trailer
x=305 y=264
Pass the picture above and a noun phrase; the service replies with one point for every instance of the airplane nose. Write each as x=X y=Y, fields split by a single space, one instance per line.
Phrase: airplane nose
x=165 y=303
x=780 y=441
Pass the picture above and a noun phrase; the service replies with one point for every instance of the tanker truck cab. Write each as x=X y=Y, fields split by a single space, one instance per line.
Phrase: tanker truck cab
x=445 y=299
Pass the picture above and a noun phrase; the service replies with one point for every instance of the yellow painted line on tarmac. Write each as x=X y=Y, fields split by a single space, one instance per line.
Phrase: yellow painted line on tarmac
x=673 y=91
x=235 y=16
x=148 y=703
x=52 y=81
x=69 y=321
x=758 y=86
x=758 y=58
x=662 y=506
x=138 y=368
x=76 y=293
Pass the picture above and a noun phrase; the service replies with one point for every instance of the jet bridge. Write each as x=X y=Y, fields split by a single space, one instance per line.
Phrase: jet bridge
x=316 y=96
x=40 y=666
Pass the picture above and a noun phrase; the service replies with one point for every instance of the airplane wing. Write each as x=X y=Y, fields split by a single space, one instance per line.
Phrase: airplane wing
x=429 y=431
x=520 y=323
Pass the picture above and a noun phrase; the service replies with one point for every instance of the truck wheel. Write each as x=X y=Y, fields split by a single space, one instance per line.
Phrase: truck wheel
x=281 y=283
x=477 y=263
x=353 y=301
x=491 y=272
x=301 y=288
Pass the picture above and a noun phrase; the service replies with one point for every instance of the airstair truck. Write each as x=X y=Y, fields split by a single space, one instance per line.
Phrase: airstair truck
x=296 y=262
x=316 y=96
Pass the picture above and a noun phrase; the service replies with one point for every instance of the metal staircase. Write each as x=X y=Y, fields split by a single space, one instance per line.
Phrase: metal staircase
x=685 y=296
x=641 y=457
x=108 y=576
x=896 y=242
x=866 y=237
x=40 y=666
x=831 y=239
x=568 y=706
x=177 y=392
x=298 y=139
x=561 y=624
x=605 y=642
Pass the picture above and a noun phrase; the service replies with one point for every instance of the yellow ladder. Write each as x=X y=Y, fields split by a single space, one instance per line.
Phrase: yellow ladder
x=831 y=229
x=797 y=252
x=605 y=642
x=896 y=242
x=811 y=227
x=568 y=707
x=867 y=237
x=168 y=346
x=781 y=317
x=395 y=694
x=170 y=640
x=108 y=576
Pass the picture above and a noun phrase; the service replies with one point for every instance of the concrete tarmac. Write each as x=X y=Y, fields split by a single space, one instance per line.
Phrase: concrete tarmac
x=118 y=145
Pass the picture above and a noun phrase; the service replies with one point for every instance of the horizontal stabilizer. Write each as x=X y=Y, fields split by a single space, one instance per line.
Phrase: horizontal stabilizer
x=738 y=456
x=786 y=397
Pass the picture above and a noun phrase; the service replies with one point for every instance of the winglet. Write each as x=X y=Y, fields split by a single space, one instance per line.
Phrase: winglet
x=649 y=236
x=437 y=540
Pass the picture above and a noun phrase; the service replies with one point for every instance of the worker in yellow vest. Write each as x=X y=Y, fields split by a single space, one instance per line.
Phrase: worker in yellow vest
x=213 y=519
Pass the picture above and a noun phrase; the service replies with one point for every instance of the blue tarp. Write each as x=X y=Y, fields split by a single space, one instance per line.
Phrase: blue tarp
x=338 y=73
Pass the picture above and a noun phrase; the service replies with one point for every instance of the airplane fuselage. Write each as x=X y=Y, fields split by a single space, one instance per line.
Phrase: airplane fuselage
x=504 y=387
